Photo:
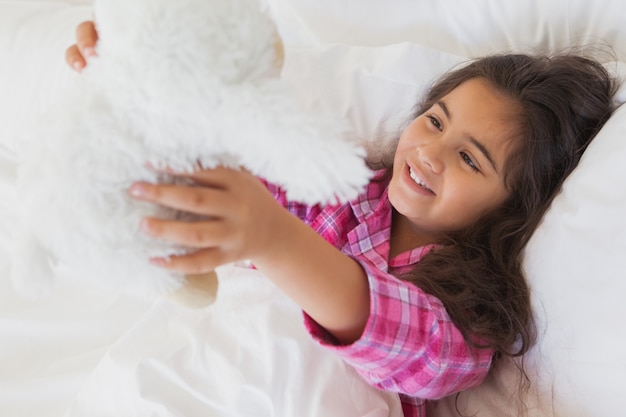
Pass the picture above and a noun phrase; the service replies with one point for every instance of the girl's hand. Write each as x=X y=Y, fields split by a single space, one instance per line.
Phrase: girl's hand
x=85 y=46
x=242 y=218
x=243 y=221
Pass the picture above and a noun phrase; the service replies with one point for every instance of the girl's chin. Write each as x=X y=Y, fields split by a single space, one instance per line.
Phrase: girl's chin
x=401 y=202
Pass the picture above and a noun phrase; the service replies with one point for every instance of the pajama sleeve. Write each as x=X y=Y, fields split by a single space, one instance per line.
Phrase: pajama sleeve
x=409 y=344
x=307 y=213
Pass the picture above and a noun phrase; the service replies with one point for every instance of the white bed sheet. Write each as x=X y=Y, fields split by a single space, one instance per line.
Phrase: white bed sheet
x=49 y=348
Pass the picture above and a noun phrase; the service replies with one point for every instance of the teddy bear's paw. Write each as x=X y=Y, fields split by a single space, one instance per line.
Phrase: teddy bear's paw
x=321 y=172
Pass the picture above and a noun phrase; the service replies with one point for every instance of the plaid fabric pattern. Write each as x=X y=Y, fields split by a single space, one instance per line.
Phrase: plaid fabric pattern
x=409 y=345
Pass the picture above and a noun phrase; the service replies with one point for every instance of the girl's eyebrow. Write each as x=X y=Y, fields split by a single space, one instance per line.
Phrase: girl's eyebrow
x=482 y=148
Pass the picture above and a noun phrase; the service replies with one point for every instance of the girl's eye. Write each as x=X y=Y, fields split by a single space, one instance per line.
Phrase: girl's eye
x=435 y=122
x=469 y=161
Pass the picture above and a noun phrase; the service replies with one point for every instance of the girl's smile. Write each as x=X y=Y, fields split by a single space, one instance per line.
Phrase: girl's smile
x=417 y=182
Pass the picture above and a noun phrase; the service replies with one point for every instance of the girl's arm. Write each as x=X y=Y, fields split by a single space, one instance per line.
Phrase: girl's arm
x=245 y=222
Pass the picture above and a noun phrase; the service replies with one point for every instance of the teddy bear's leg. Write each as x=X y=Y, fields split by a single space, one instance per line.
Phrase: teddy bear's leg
x=198 y=290
x=31 y=271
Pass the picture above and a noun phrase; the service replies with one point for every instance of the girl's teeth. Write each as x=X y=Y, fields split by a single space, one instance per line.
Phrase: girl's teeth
x=418 y=180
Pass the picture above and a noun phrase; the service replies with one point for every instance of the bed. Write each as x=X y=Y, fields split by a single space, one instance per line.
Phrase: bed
x=87 y=352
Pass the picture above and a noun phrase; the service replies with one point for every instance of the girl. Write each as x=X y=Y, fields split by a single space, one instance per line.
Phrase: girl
x=418 y=282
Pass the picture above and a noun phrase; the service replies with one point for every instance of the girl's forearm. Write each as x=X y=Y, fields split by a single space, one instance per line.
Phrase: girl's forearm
x=330 y=286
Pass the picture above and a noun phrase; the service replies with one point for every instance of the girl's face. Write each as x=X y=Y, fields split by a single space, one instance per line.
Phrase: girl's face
x=448 y=167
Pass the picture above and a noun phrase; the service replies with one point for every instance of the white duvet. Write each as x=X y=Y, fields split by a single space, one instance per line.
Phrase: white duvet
x=245 y=355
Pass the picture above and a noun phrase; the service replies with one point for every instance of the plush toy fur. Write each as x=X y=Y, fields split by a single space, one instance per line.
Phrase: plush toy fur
x=184 y=84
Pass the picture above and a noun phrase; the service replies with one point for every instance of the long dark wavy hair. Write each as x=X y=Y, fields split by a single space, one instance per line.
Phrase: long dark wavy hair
x=477 y=273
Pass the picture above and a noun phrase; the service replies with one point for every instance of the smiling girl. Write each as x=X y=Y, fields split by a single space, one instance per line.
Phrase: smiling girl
x=417 y=283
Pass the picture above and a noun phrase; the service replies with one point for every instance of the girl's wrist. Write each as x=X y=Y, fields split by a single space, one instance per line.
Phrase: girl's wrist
x=329 y=285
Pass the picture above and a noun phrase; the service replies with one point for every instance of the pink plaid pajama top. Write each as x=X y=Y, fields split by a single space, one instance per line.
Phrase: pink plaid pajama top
x=409 y=344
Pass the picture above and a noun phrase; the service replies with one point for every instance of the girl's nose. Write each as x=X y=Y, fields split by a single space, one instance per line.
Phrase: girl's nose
x=431 y=155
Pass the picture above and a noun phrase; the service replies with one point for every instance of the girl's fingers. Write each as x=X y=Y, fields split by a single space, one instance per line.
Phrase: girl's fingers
x=74 y=58
x=217 y=177
x=199 y=200
x=201 y=234
x=199 y=262
x=85 y=47
x=86 y=38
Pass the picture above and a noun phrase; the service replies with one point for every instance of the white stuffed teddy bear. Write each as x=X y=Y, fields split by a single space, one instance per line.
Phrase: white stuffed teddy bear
x=184 y=84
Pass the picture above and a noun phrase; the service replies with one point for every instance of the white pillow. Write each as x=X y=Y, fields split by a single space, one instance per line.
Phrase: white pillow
x=459 y=27
x=576 y=266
